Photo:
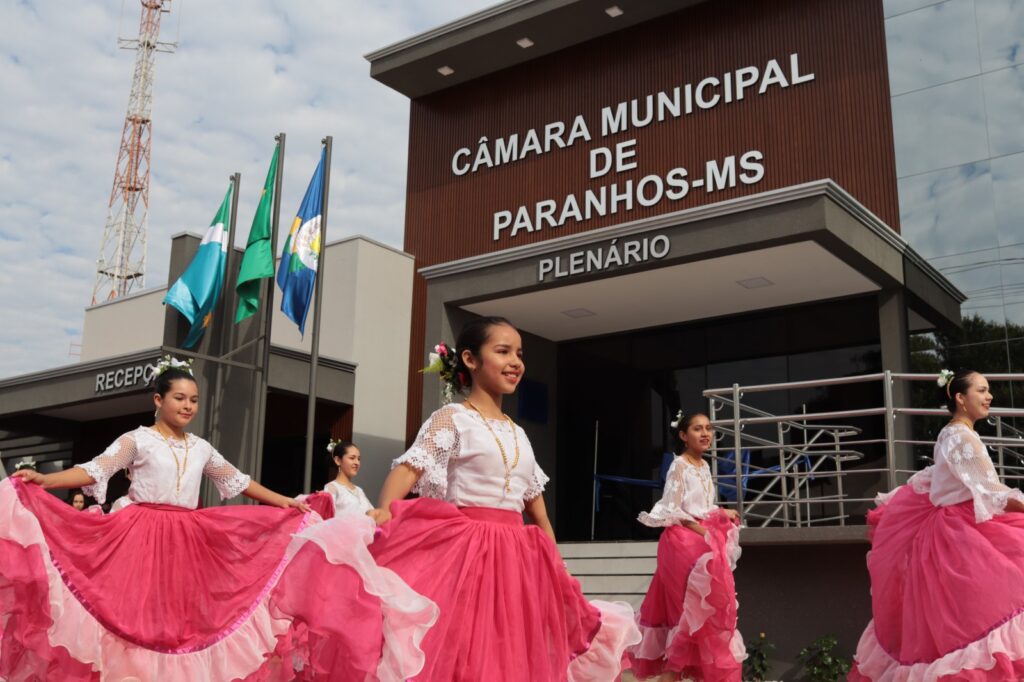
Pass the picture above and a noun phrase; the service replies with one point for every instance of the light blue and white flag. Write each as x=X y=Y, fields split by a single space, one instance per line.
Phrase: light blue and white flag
x=196 y=292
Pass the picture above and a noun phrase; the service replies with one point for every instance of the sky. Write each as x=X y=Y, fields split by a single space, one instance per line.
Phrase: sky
x=243 y=71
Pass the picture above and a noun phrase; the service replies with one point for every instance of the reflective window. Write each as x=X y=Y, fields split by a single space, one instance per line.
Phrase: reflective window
x=948 y=211
x=959 y=142
x=1000 y=32
x=939 y=127
x=1008 y=195
x=932 y=45
x=977 y=274
x=1011 y=263
x=1004 y=104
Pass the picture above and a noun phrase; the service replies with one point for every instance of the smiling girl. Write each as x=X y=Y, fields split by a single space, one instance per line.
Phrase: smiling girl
x=947 y=561
x=163 y=590
x=509 y=611
x=348 y=497
x=688 y=618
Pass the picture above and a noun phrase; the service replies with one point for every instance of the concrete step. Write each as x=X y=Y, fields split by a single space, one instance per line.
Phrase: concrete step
x=604 y=550
x=615 y=584
x=613 y=566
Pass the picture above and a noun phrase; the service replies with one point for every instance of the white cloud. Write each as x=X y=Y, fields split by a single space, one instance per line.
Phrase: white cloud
x=243 y=72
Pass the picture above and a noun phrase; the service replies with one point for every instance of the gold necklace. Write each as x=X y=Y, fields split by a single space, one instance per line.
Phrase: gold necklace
x=501 y=448
x=179 y=467
x=961 y=420
x=705 y=482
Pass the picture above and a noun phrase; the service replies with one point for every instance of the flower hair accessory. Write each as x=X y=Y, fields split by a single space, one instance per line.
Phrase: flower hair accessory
x=678 y=420
x=944 y=380
x=333 y=444
x=444 y=362
x=170 y=362
x=25 y=463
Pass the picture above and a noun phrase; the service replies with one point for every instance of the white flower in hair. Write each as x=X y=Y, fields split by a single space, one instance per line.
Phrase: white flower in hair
x=945 y=376
x=170 y=362
x=678 y=420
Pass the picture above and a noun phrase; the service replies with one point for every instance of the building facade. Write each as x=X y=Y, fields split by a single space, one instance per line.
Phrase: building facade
x=70 y=414
x=670 y=197
x=956 y=74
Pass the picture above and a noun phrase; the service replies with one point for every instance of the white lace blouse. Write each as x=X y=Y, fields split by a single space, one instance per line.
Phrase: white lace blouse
x=689 y=495
x=347 y=500
x=963 y=471
x=154 y=473
x=461 y=463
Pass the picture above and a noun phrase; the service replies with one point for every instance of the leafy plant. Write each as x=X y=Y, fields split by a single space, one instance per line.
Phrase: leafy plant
x=821 y=664
x=755 y=668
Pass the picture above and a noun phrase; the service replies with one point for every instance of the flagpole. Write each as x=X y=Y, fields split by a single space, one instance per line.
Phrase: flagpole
x=314 y=354
x=268 y=314
x=222 y=337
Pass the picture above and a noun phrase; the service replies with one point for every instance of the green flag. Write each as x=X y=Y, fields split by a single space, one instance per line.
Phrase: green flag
x=258 y=259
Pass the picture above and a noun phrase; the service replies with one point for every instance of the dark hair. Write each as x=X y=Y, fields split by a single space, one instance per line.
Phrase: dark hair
x=960 y=383
x=684 y=426
x=163 y=381
x=472 y=337
x=340 y=448
x=75 y=491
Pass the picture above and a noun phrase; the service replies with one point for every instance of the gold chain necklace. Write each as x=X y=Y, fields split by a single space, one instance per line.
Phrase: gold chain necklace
x=961 y=420
x=179 y=467
x=705 y=482
x=501 y=448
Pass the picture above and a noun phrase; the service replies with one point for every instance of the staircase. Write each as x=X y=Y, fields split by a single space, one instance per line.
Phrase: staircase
x=612 y=571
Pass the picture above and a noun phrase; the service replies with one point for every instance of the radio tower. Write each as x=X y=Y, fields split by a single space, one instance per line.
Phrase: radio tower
x=122 y=262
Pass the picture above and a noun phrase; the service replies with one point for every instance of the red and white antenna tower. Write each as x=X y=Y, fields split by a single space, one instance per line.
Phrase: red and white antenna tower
x=122 y=262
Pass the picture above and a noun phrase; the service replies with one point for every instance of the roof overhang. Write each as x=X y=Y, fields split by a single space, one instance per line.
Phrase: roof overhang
x=485 y=42
x=801 y=244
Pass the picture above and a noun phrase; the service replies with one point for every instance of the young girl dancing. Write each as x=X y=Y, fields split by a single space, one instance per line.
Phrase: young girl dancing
x=688 y=618
x=947 y=561
x=509 y=610
x=162 y=590
x=348 y=497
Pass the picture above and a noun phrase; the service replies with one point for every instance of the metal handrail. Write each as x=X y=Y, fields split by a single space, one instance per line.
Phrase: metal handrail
x=785 y=495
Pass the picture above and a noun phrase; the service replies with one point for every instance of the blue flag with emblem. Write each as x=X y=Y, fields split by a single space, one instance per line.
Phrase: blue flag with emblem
x=195 y=293
x=296 y=274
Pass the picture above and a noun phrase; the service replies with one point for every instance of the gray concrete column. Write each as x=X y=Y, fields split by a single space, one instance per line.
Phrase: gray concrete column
x=894 y=336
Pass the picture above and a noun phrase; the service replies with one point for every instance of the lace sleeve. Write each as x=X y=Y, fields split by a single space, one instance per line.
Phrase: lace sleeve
x=669 y=509
x=436 y=443
x=229 y=480
x=116 y=457
x=537 y=484
x=969 y=461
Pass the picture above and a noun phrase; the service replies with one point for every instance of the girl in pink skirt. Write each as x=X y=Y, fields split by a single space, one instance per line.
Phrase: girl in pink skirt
x=510 y=612
x=164 y=591
x=947 y=561
x=688 y=618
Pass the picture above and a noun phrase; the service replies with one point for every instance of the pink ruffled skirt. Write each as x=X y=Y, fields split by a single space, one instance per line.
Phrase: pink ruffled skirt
x=509 y=610
x=947 y=594
x=226 y=593
x=688 y=618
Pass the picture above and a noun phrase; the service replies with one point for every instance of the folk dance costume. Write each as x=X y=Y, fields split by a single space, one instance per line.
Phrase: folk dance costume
x=947 y=573
x=347 y=500
x=161 y=590
x=510 y=612
x=688 y=618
